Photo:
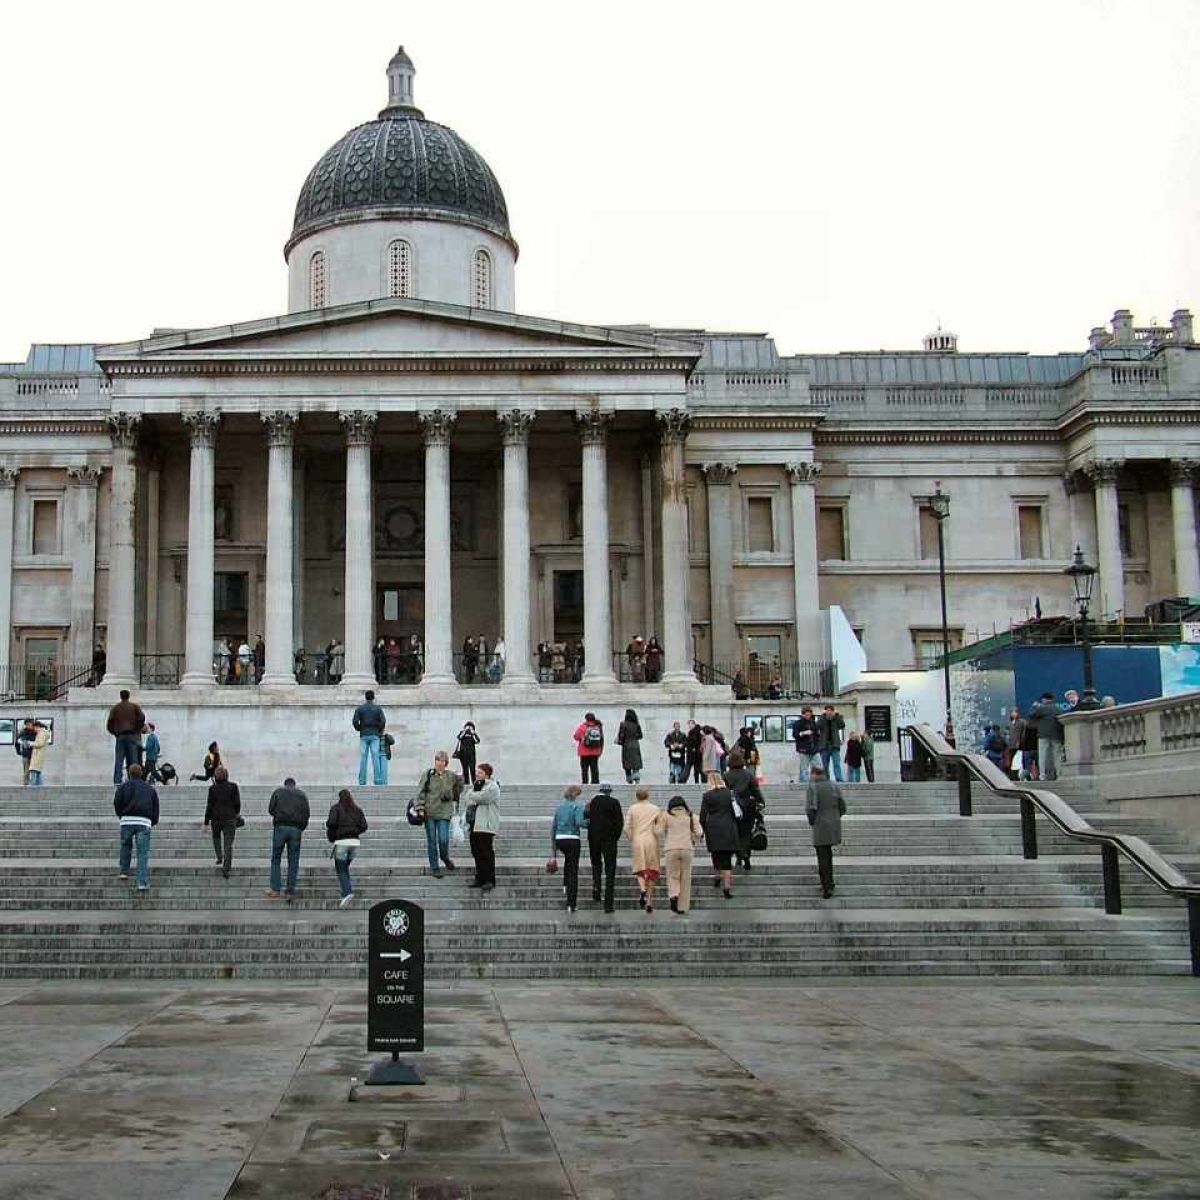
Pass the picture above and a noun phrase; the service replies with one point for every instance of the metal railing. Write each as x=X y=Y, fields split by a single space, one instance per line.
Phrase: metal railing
x=637 y=667
x=772 y=681
x=478 y=671
x=934 y=748
x=159 y=670
x=44 y=680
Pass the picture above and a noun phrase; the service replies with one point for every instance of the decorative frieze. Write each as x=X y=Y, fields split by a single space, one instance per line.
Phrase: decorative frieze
x=803 y=472
x=593 y=425
x=123 y=429
x=84 y=475
x=719 y=474
x=202 y=428
x=281 y=427
x=437 y=426
x=358 y=426
x=1104 y=472
x=514 y=426
x=673 y=425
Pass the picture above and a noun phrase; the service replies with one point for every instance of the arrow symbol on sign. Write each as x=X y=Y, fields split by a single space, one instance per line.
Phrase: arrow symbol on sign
x=402 y=955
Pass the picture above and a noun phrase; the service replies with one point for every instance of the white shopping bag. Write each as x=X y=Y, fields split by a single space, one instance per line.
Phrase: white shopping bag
x=458 y=830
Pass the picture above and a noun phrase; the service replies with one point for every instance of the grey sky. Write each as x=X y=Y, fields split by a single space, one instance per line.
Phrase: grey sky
x=840 y=175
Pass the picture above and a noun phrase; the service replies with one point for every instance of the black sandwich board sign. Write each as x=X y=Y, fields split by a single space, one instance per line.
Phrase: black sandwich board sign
x=877 y=719
x=396 y=987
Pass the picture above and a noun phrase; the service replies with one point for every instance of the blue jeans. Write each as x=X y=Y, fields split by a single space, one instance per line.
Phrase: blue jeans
x=437 y=841
x=369 y=744
x=125 y=753
x=832 y=757
x=679 y=772
x=35 y=779
x=139 y=834
x=289 y=836
x=343 y=856
x=853 y=774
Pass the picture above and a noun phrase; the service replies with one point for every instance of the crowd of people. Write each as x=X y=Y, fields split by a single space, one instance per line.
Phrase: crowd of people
x=1031 y=746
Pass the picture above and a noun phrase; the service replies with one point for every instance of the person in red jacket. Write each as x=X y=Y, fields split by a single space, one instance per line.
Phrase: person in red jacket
x=589 y=738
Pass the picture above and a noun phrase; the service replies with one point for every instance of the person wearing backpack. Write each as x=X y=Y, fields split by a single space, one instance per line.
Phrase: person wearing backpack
x=24 y=748
x=589 y=738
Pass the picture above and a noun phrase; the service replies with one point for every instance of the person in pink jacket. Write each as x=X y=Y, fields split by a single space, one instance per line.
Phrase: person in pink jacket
x=589 y=740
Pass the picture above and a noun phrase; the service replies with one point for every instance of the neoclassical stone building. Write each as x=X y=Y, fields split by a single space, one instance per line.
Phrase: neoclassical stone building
x=403 y=453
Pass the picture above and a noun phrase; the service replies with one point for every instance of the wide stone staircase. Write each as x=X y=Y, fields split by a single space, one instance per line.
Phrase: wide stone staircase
x=919 y=890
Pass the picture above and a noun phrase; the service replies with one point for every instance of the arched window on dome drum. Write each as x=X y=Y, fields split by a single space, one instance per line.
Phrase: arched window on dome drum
x=316 y=280
x=400 y=269
x=483 y=279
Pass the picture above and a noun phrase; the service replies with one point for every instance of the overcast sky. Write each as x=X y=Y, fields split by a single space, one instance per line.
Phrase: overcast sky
x=841 y=175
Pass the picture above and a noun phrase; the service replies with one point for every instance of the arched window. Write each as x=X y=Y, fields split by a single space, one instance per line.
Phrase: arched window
x=483 y=279
x=400 y=269
x=316 y=280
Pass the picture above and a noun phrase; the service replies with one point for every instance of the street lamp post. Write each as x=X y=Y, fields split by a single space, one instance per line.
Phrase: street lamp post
x=1083 y=576
x=939 y=505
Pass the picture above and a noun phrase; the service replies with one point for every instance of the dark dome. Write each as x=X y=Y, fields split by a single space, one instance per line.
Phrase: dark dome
x=405 y=165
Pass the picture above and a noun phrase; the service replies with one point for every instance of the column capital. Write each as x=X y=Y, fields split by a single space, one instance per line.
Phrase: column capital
x=1072 y=484
x=358 y=426
x=84 y=476
x=202 y=428
x=1183 y=471
x=803 y=472
x=593 y=426
x=123 y=429
x=515 y=425
x=281 y=427
x=719 y=473
x=8 y=476
x=1103 y=472
x=673 y=425
x=436 y=426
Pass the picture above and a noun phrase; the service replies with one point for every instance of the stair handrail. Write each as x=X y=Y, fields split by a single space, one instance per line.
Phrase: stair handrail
x=1063 y=817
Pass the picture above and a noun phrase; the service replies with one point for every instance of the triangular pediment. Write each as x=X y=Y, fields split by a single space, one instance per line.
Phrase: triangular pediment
x=398 y=329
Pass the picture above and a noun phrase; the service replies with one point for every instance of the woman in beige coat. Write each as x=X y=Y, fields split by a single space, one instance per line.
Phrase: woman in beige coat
x=682 y=831
x=641 y=828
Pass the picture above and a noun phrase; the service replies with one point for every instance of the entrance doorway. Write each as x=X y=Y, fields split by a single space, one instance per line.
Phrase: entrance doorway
x=568 y=606
x=231 y=606
x=399 y=613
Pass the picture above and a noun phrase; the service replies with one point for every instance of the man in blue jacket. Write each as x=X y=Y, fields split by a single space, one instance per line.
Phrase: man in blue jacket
x=370 y=723
x=136 y=804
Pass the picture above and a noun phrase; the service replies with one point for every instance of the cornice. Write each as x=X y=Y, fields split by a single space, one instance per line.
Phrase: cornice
x=99 y=426
x=779 y=423
x=932 y=436
x=1077 y=421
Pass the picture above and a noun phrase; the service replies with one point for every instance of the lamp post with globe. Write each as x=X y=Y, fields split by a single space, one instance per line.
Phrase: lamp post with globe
x=1083 y=576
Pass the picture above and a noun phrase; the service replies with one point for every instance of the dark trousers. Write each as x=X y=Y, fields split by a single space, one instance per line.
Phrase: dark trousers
x=869 y=767
x=468 y=770
x=569 y=849
x=126 y=752
x=589 y=769
x=744 y=843
x=603 y=851
x=695 y=771
x=825 y=867
x=483 y=851
x=222 y=836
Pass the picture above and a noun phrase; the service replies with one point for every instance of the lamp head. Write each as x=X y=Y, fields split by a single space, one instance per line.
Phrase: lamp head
x=1082 y=575
x=939 y=503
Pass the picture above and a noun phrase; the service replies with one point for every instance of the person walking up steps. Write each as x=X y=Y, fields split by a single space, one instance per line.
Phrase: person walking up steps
x=743 y=786
x=483 y=817
x=589 y=740
x=344 y=826
x=370 y=722
x=605 y=822
x=720 y=831
x=566 y=829
x=136 y=805
x=221 y=814
x=681 y=832
x=641 y=828
x=438 y=794
x=288 y=808
x=151 y=754
x=824 y=808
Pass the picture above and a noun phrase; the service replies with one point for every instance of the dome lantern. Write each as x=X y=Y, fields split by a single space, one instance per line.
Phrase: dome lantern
x=400 y=73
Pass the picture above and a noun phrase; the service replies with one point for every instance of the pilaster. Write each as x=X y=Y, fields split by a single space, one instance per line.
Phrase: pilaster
x=810 y=636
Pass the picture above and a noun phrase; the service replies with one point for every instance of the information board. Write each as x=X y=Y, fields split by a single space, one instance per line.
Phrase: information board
x=878 y=720
x=396 y=975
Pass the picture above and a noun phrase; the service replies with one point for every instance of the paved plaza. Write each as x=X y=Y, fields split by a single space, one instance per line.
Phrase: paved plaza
x=994 y=1089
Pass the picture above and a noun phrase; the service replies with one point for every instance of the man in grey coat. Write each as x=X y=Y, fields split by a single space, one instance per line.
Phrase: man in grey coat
x=824 y=808
x=1043 y=716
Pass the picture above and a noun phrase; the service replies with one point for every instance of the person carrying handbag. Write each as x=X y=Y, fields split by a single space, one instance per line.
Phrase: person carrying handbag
x=566 y=832
x=484 y=820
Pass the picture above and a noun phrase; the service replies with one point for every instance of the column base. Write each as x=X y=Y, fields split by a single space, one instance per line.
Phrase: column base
x=679 y=678
x=359 y=681
x=197 y=681
x=598 y=679
x=277 y=682
x=114 y=683
x=519 y=685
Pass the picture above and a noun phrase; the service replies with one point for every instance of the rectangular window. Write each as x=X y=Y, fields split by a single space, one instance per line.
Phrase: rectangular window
x=928 y=528
x=927 y=646
x=1029 y=528
x=1124 y=529
x=760 y=525
x=45 y=527
x=831 y=533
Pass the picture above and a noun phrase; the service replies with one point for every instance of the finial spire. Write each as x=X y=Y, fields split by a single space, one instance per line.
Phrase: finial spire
x=400 y=74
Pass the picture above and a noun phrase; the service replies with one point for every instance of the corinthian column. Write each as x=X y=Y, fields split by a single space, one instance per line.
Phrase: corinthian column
x=8 y=491
x=120 y=671
x=201 y=555
x=1183 y=514
x=359 y=428
x=280 y=666
x=678 y=659
x=597 y=593
x=718 y=478
x=84 y=482
x=515 y=435
x=1103 y=473
x=439 y=649
x=810 y=641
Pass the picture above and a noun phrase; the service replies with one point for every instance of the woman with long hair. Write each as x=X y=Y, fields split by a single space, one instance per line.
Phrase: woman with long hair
x=629 y=738
x=641 y=828
x=344 y=826
x=566 y=838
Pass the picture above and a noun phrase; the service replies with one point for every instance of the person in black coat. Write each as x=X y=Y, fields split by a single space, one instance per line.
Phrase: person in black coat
x=720 y=831
x=605 y=824
x=743 y=784
x=345 y=824
x=695 y=738
x=221 y=814
x=468 y=739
